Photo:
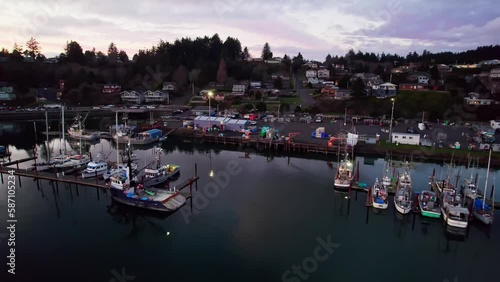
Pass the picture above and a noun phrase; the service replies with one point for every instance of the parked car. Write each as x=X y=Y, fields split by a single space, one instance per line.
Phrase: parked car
x=178 y=111
x=134 y=107
x=96 y=108
x=253 y=122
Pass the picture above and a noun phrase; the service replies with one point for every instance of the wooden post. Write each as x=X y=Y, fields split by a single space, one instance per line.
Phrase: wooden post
x=17 y=165
x=96 y=180
x=191 y=187
x=1 y=174
x=36 y=168
x=357 y=172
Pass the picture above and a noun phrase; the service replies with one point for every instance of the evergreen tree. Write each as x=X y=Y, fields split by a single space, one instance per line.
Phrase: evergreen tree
x=266 y=52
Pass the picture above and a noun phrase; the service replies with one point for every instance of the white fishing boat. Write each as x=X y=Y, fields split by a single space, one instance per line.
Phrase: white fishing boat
x=95 y=169
x=77 y=130
x=380 y=196
x=404 y=191
x=345 y=176
x=456 y=216
x=117 y=168
x=469 y=189
x=159 y=174
x=481 y=210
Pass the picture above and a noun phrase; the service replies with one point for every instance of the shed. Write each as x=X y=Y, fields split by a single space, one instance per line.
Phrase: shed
x=237 y=124
x=406 y=138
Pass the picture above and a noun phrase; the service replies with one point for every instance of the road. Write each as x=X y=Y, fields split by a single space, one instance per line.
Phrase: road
x=303 y=92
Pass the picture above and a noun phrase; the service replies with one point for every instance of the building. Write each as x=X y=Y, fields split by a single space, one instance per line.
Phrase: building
x=495 y=73
x=135 y=97
x=6 y=92
x=329 y=91
x=156 y=96
x=169 y=86
x=256 y=84
x=204 y=110
x=239 y=89
x=323 y=73
x=473 y=101
x=311 y=73
x=384 y=90
x=312 y=65
x=412 y=86
x=342 y=94
x=275 y=60
x=419 y=77
x=47 y=94
x=111 y=89
x=406 y=138
x=225 y=124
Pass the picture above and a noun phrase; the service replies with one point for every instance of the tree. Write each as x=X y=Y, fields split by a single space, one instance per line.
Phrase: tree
x=258 y=95
x=17 y=51
x=112 y=53
x=222 y=72
x=278 y=83
x=434 y=71
x=101 y=59
x=232 y=49
x=248 y=107
x=74 y=53
x=297 y=109
x=180 y=76
x=261 y=107
x=245 y=55
x=287 y=62
x=358 y=88
x=285 y=107
x=297 y=62
x=90 y=56
x=123 y=56
x=266 y=52
x=32 y=48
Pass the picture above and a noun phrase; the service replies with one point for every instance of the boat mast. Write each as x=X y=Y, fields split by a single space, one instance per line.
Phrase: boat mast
x=47 y=134
x=116 y=129
x=80 y=131
x=486 y=182
x=63 y=129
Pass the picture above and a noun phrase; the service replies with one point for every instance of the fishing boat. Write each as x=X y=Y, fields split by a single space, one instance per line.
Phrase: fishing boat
x=4 y=152
x=130 y=193
x=95 y=169
x=380 y=196
x=76 y=130
x=141 y=138
x=345 y=176
x=456 y=216
x=428 y=203
x=387 y=180
x=70 y=161
x=469 y=189
x=481 y=210
x=402 y=199
x=160 y=174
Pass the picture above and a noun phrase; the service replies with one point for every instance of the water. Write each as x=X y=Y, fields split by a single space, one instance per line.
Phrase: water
x=267 y=215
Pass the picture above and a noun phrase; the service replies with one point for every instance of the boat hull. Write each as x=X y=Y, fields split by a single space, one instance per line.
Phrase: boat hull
x=380 y=206
x=148 y=182
x=430 y=214
x=90 y=174
x=452 y=222
x=484 y=218
x=403 y=210
x=118 y=196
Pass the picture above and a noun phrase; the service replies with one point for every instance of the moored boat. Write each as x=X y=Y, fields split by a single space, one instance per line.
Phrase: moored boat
x=344 y=177
x=481 y=210
x=456 y=216
x=95 y=168
x=380 y=195
x=428 y=203
x=402 y=199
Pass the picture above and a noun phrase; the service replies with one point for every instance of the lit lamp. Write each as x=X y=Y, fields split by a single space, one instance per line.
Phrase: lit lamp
x=210 y=94
x=392 y=116
x=211 y=174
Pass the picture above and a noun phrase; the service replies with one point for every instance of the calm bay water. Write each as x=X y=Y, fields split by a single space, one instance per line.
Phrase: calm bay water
x=257 y=218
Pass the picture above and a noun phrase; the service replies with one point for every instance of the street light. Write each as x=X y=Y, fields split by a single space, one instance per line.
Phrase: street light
x=392 y=116
x=210 y=94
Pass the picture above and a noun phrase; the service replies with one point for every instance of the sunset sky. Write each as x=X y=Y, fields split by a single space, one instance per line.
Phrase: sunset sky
x=314 y=28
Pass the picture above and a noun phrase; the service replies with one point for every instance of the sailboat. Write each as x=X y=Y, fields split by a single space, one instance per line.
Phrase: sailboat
x=160 y=174
x=442 y=184
x=481 y=210
x=469 y=188
x=119 y=168
x=380 y=195
x=126 y=191
x=404 y=191
x=76 y=131
x=48 y=163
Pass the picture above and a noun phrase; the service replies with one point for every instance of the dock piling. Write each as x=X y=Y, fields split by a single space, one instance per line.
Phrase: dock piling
x=1 y=173
x=96 y=180
x=196 y=175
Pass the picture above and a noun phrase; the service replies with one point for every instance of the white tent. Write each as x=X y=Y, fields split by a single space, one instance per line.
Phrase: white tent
x=352 y=139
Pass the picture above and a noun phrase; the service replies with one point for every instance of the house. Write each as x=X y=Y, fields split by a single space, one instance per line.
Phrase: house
x=6 y=92
x=311 y=73
x=419 y=77
x=323 y=73
x=47 y=94
x=402 y=69
x=256 y=84
x=111 y=89
x=329 y=91
x=169 y=86
x=442 y=68
x=53 y=60
x=406 y=138
x=136 y=97
x=275 y=60
x=239 y=89
x=495 y=73
x=156 y=96
x=342 y=94
x=412 y=86
x=312 y=65
x=384 y=90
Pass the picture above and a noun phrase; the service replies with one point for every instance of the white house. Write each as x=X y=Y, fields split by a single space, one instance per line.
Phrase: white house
x=311 y=73
x=313 y=80
x=422 y=79
x=132 y=97
x=155 y=96
x=495 y=124
x=169 y=86
x=239 y=89
x=405 y=138
x=323 y=73
x=473 y=101
x=256 y=84
x=312 y=65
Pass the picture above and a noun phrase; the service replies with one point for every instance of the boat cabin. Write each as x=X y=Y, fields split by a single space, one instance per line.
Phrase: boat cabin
x=457 y=213
x=96 y=166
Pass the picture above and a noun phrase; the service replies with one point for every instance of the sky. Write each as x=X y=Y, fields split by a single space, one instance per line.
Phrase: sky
x=315 y=27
